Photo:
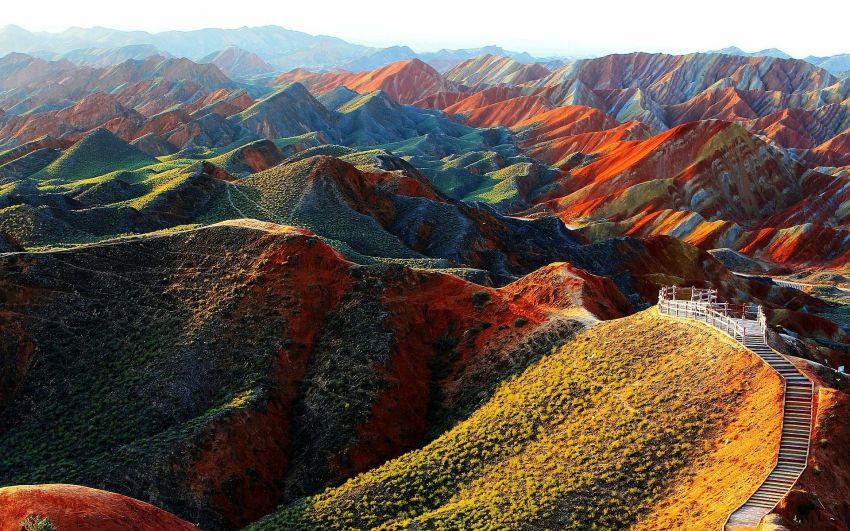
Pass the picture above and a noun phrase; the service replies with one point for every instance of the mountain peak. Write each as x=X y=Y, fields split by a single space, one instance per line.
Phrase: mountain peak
x=237 y=62
x=767 y=52
x=404 y=81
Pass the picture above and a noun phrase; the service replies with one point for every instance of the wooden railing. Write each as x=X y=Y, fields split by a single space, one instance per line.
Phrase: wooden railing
x=702 y=305
x=748 y=324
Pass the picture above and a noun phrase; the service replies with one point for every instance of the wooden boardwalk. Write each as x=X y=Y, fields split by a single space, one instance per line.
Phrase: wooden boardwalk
x=746 y=323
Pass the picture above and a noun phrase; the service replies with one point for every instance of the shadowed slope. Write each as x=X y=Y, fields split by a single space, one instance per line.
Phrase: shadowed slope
x=289 y=111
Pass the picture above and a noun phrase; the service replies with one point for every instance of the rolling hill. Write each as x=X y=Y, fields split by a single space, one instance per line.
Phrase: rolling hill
x=98 y=153
x=490 y=69
x=571 y=441
x=225 y=433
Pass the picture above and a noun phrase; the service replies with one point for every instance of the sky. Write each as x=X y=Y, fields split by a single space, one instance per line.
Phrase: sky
x=543 y=28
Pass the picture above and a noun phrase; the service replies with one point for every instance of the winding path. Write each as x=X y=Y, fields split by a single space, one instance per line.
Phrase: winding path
x=746 y=324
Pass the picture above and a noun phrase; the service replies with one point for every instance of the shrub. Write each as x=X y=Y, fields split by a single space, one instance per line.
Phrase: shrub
x=445 y=343
x=36 y=522
x=519 y=322
x=479 y=298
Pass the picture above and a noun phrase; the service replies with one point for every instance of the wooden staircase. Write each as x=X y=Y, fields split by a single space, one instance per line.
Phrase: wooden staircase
x=747 y=325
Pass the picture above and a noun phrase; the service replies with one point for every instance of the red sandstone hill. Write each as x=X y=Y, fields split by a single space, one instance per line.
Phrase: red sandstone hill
x=833 y=152
x=121 y=98
x=695 y=166
x=83 y=509
x=712 y=184
x=666 y=77
x=482 y=98
x=508 y=113
x=270 y=364
x=403 y=81
x=803 y=128
x=555 y=135
x=725 y=103
x=487 y=70
x=441 y=100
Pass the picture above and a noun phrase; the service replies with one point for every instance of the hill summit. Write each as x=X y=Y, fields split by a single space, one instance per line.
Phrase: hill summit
x=97 y=153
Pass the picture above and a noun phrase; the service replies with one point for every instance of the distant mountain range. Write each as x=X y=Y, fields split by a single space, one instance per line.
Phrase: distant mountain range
x=834 y=64
x=768 y=52
x=252 y=51
x=281 y=49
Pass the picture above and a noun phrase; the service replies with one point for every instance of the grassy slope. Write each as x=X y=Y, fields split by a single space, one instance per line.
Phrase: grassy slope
x=500 y=185
x=99 y=153
x=289 y=194
x=597 y=435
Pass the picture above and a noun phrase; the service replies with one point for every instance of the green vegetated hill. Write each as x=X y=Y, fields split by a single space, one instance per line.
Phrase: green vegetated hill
x=103 y=187
x=596 y=435
x=371 y=204
x=100 y=152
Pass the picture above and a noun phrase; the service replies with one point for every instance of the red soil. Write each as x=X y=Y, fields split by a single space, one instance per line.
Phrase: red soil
x=561 y=286
x=568 y=120
x=81 y=508
x=441 y=100
x=317 y=277
x=507 y=113
x=816 y=245
x=833 y=152
x=553 y=135
x=482 y=98
x=723 y=104
x=403 y=81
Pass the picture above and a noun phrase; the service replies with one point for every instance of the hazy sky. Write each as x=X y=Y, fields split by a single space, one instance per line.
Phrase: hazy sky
x=800 y=28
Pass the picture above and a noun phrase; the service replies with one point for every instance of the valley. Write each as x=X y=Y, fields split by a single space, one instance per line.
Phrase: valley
x=260 y=279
